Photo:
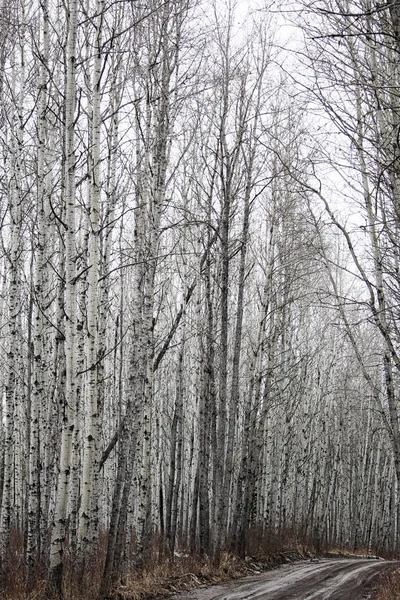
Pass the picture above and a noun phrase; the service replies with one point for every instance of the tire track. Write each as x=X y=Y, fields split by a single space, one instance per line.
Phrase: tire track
x=341 y=579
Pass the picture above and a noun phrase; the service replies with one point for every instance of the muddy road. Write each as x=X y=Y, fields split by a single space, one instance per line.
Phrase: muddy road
x=342 y=579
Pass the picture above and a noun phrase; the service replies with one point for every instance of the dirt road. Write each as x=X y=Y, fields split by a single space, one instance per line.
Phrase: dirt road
x=342 y=579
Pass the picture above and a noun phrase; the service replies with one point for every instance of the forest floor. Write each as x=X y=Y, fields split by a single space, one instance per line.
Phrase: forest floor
x=300 y=573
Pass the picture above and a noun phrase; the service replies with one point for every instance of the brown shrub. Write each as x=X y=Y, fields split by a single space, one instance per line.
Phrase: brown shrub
x=389 y=586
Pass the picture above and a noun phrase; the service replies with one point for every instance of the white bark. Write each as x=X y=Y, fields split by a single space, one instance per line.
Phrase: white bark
x=40 y=365
x=10 y=494
x=69 y=408
x=88 y=515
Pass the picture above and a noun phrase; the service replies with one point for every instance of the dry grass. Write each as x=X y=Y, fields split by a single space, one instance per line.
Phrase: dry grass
x=161 y=577
x=343 y=552
x=389 y=586
x=182 y=574
x=79 y=583
x=82 y=582
x=187 y=572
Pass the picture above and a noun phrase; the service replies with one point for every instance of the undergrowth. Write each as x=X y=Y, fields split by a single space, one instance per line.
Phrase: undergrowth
x=389 y=586
x=182 y=574
x=162 y=575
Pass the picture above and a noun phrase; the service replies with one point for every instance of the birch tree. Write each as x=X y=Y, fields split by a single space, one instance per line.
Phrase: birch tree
x=366 y=118
x=70 y=401
x=198 y=350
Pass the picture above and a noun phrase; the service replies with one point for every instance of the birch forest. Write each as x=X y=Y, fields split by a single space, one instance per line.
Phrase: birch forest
x=199 y=282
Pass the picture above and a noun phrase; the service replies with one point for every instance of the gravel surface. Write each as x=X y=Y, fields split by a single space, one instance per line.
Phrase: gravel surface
x=341 y=579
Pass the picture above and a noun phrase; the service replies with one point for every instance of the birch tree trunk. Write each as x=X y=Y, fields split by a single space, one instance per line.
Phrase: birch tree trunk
x=58 y=536
x=10 y=499
x=175 y=474
x=88 y=509
x=40 y=365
